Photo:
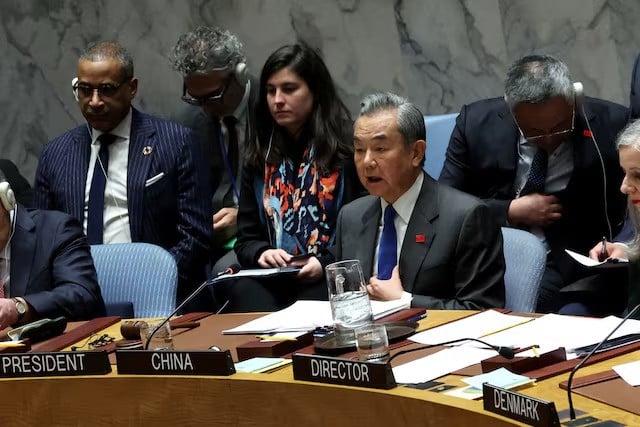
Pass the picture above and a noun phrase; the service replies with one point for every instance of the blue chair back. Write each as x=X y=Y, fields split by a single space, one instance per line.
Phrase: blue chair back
x=140 y=273
x=439 y=128
x=525 y=257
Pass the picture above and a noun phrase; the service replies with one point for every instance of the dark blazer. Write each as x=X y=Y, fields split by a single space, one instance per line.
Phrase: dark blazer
x=172 y=213
x=51 y=266
x=482 y=159
x=20 y=186
x=634 y=94
x=460 y=264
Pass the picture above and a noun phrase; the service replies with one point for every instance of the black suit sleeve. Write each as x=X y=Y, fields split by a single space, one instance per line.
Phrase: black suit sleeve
x=72 y=288
x=457 y=170
x=479 y=267
x=253 y=238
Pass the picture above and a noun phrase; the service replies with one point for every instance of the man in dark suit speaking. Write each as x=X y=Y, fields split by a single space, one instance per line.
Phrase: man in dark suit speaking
x=46 y=268
x=413 y=235
x=544 y=159
x=127 y=176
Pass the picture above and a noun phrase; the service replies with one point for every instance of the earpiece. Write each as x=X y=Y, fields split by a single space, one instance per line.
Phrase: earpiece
x=73 y=84
x=241 y=73
x=7 y=197
x=577 y=93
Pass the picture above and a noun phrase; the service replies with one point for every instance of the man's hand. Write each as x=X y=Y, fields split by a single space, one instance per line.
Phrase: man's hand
x=613 y=250
x=8 y=312
x=535 y=209
x=311 y=269
x=274 y=258
x=225 y=223
x=385 y=290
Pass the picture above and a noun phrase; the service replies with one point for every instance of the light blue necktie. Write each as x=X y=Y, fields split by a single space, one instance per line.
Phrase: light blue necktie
x=387 y=256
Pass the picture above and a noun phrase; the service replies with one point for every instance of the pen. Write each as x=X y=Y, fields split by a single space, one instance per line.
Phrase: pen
x=534 y=348
x=418 y=317
x=603 y=250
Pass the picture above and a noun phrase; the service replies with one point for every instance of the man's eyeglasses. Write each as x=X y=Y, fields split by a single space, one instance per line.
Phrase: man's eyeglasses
x=105 y=90
x=211 y=98
x=539 y=138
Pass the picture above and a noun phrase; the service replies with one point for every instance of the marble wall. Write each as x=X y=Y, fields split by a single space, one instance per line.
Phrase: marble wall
x=439 y=53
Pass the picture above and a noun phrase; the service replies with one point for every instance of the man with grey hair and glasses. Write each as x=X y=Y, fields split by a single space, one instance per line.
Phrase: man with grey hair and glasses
x=218 y=96
x=414 y=237
x=543 y=158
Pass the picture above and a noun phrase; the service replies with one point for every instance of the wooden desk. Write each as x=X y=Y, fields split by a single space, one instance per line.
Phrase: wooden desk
x=273 y=399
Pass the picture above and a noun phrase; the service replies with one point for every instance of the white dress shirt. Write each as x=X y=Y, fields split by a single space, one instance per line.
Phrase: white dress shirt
x=116 y=213
x=404 y=208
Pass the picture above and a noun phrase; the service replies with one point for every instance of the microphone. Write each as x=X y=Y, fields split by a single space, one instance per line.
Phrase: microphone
x=506 y=352
x=572 y=412
x=223 y=275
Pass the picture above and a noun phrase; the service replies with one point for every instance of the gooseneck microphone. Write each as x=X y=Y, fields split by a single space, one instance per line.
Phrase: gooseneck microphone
x=572 y=412
x=506 y=352
x=223 y=275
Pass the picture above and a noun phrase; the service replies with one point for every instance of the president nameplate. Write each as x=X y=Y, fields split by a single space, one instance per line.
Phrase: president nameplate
x=334 y=370
x=165 y=362
x=64 y=363
x=529 y=410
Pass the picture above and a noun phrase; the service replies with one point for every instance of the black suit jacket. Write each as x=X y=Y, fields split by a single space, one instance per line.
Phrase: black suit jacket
x=51 y=266
x=460 y=264
x=20 y=186
x=482 y=159
x=172 y=212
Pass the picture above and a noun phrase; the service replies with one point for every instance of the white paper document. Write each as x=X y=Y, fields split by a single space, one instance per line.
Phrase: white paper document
x=630 y=372
x=586 y=261
x=441 y=363
x=553 y=330
x=474 y=326
x=308 y=315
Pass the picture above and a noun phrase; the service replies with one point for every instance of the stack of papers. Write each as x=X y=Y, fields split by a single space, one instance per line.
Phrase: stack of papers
x=261 y=364
x=308 y=315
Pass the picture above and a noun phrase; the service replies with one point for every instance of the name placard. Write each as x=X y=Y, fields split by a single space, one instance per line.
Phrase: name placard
x=163 y=362
x=58 y=364
x=516 y=406
x=334 y=370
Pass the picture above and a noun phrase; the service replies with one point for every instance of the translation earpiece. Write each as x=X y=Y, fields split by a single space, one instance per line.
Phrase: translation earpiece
x=73 y=85
x=241 y=73
x=578 y=90
x=7 y=198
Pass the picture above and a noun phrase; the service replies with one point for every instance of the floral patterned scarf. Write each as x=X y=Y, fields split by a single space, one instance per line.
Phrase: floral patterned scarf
x=301 y=206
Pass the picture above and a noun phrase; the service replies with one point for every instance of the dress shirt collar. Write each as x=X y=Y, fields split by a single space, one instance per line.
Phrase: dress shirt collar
x=405 y=203
x=123 y=130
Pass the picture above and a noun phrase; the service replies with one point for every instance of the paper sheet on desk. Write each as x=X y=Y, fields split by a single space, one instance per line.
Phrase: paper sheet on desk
x=588 y=262
x=474 y=326
x=553 y=330
x=308 y=315
x=441 y=363
x=630 y=372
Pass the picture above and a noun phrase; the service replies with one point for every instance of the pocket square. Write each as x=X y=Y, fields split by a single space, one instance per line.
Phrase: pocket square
x=154 y=179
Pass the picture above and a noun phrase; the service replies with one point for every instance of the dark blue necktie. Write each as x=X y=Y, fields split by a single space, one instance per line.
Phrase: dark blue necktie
x=95 y=216
x=387 y=257
x=537 y=174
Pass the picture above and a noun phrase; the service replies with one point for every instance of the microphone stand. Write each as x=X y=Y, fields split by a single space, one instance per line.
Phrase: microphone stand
x=506 y=352
x=572 y=412
x=224 y=276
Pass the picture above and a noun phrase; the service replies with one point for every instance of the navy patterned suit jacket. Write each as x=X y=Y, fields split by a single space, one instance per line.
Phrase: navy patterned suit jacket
x=173 y=212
